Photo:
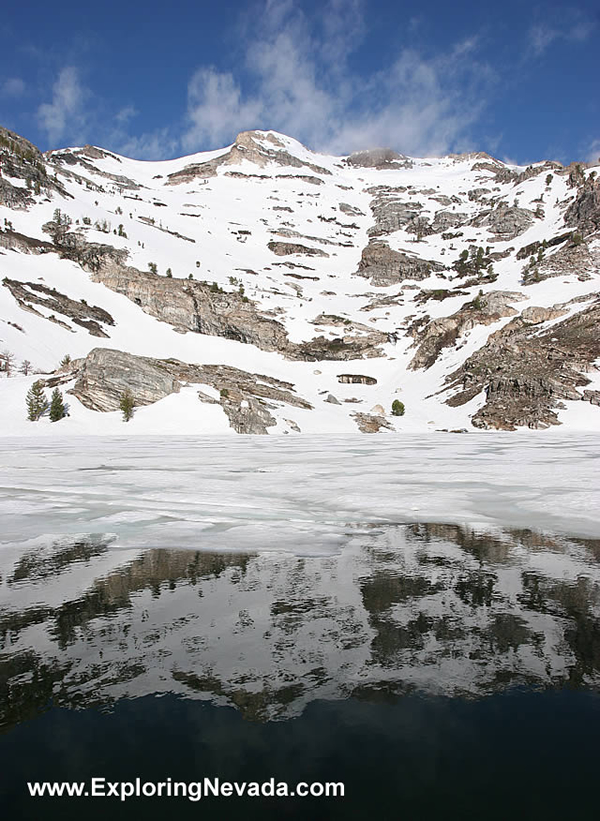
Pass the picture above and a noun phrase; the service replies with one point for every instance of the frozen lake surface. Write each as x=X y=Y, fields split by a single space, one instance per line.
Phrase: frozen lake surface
x=301 y=494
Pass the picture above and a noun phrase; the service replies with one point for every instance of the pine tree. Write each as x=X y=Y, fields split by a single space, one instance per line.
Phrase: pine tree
x=7 y=361
x=37 y=404
x=57 y=406
x=58 y=227
x=127 y=405
x=398 y=408
x=477 y=303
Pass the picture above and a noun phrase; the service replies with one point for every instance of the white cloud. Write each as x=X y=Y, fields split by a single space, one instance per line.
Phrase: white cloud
x=156 y=145
x=12 y=87
x=572 y=27
x=418 y=106
x=75 y=115
x=295 y=73
x=593 y=152
x=65 y=114
x=126 y=113
x=295 y=78
x=216 y=108
x=343 y=30
x=581 y=31
x=541 y=36
x=297 y=91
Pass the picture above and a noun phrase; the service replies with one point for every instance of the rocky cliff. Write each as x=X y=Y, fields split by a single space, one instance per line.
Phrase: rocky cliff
x=527 y=373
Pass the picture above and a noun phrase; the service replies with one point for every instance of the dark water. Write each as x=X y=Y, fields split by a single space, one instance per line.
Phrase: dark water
x=518 y=755
x=437 y=671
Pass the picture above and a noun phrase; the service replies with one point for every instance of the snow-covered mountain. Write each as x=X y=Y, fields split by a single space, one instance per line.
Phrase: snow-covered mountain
x=263 y=287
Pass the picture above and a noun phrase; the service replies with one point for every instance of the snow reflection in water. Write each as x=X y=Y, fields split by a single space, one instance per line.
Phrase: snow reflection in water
x=435 y=608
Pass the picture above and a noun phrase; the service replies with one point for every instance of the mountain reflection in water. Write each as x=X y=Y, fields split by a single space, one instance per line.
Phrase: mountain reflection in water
x=428 y=608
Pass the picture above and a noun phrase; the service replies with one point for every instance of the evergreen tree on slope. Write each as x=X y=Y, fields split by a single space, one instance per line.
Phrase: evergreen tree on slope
x=57 y=406
x=37 y=404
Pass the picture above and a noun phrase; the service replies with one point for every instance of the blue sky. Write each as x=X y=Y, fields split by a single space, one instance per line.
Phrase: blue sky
x=515 y=79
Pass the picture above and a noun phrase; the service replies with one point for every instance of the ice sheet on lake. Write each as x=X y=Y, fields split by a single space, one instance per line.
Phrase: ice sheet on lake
x=305 y=494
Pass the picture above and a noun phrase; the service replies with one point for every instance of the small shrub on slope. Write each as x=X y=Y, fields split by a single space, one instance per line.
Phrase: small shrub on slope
x=127 y=405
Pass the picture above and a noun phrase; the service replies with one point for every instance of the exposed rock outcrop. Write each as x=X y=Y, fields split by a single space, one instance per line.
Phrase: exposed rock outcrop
x=371 y=423
x=380 y=158
x=578 y=259
x=349 y=346
x=245 y=397
x=476 y=194
x=303 y=177
x=290 y=233
x=15 y=241
x=14 y=196
x=584 y=212
x=202 y=171
x=533 y=247
x=252 y=147
x=82 y=156
x=593 y=397
x=22 y=160
x=350 y=210
x=443 y=332
x=391 y=213
x=503 y=174
x=335 y=321
x=525 y=373
x=105 y=374
x=536 y=315
x=259 y=148
x=444 y=220
x=87 y=316
x=383 y=266
x=356 y=379
x=190 y=305
x=92 y=256
x=506 y=222
x=283 y=249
